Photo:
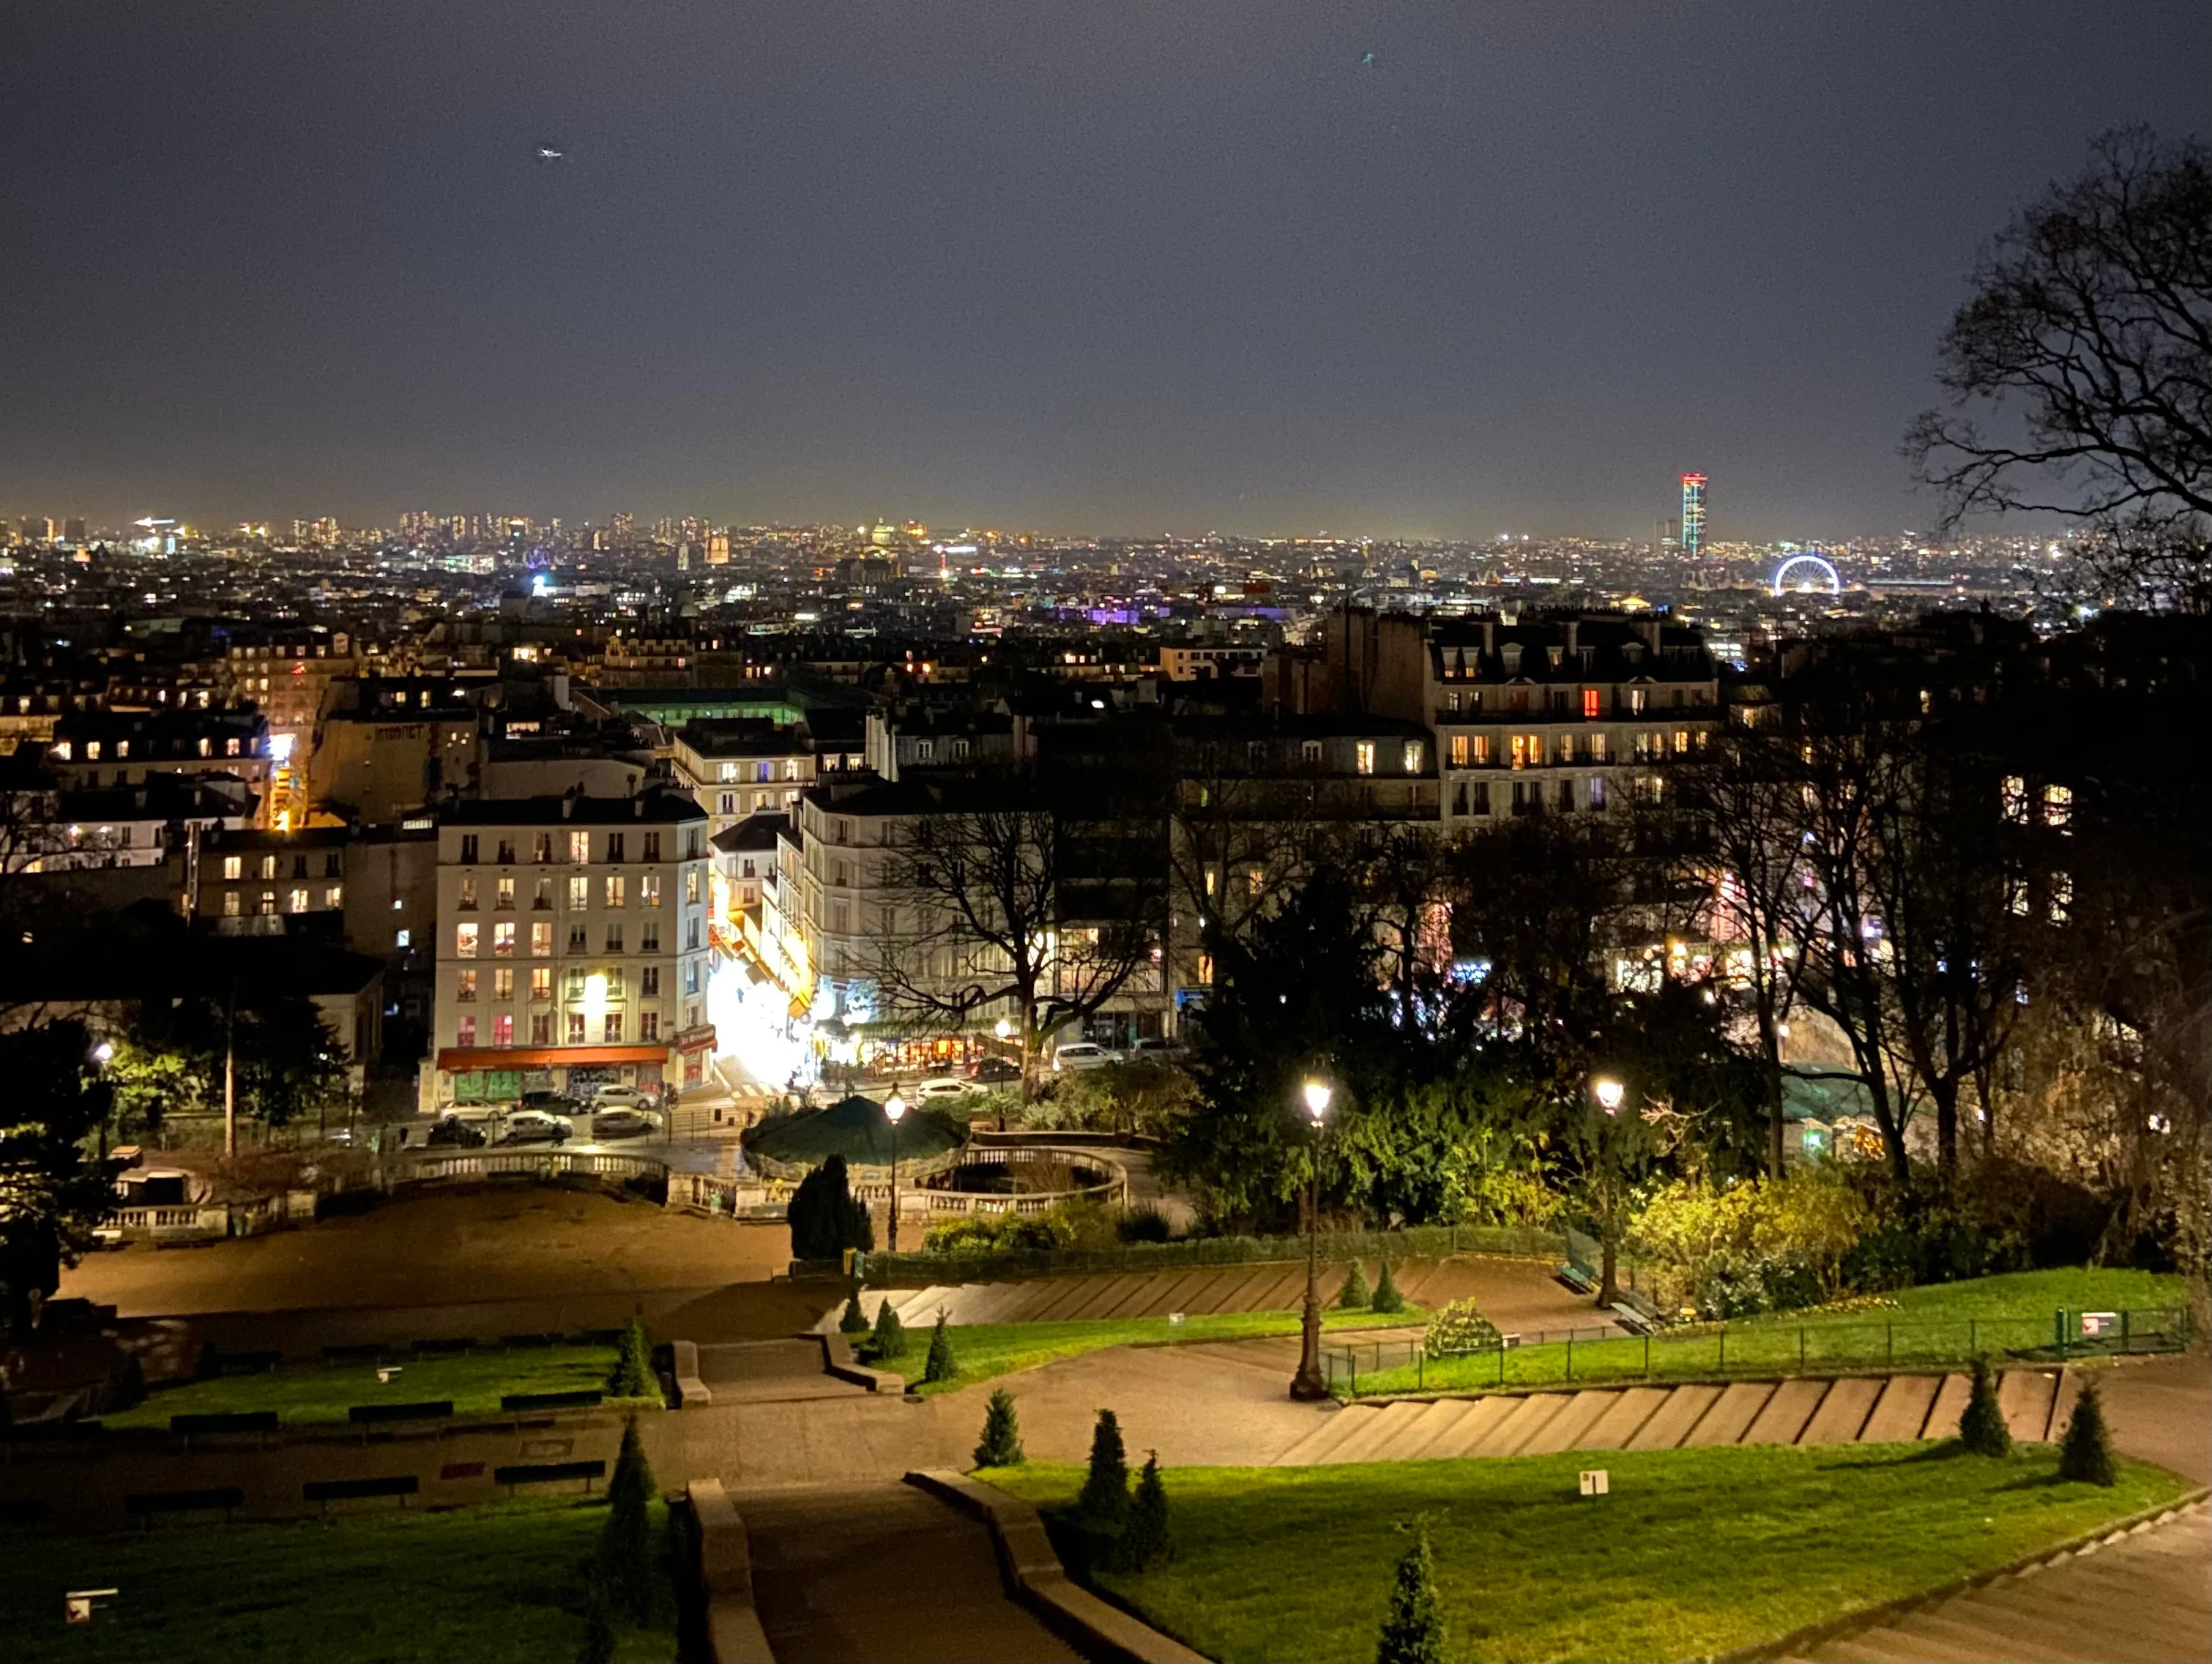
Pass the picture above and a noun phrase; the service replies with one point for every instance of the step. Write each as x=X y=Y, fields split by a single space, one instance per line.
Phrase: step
x=1858 y=1650
x=1925 y=1635
x=1671 y=1423
x=1535 y=1414
x=1950 y=1404
x=1438 y=1419
x=1570 y=1429
x=1220 y=1290
x=1626 y=1417
x=1466 y=1435
x=1901 y=1410
x=2025 y=1396
x=1281 y=1292
x=2095 y=1626
x=1105 y=1293
x=1385 y=1426
x=1786 y=1413
x=994 y=1302
x=1967 y=1622
x=1843 y=1412
x=1176 y=1297
x=1731 y=1416
x=1336 y=1426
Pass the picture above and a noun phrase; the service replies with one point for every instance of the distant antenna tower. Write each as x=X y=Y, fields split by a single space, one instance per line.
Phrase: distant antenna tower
x=1693 y=514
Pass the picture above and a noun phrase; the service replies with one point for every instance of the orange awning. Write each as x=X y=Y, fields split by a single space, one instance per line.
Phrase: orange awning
x=460 y=1060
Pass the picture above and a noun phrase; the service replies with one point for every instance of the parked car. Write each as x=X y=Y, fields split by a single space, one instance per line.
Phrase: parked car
x=611 y=1124
x=1156 y=1049
x=995 y=1071
x=943 y=1086
x=552 y=1104
x=1079 y=1054
x=453 y=1130
x=622 y=1097
x=535 y=1126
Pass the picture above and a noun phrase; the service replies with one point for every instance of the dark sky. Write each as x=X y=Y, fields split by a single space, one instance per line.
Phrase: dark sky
x=1108 y=266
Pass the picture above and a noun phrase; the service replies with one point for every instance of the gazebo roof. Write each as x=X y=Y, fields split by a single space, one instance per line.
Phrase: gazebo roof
x=856 y=1128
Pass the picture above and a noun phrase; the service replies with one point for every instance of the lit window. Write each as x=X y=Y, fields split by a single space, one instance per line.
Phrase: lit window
x=1413 y=754
x=465 y=941
x=618 y=890
x=611 y=1028
x=579 y=846
x=575 y=1027
x=541 y=941
x=503 y=895
x=580 y=894
x=2058 y=807
x=541 y=1028
x=502 y=983
x=1597 y=749
x=268 y=903
x=464 y=985
x=296 y=901
x=268 y=867
x=1206 y=970
x=2015 y=798
x=1682 y=742
x=230 y=907
x=541 y=983
x=1363 y=753
x=691 y=884
x=233 y=866
x=465 y=895
x=648 y=889
x=464 y=1030
x=1460 y=751
x=502 y=941
x=2062 y=897
x=1589 y=703
x=503 y=1030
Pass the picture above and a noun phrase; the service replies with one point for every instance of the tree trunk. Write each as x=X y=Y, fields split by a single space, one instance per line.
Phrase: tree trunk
x=1609 y=1256
x=1945 y=1091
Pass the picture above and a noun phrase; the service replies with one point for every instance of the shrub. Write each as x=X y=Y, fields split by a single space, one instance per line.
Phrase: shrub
x=1982 y=1429
x=1413 y=1633
x=2085 y=1457
x=942 y=1365
x=1353 y=1295
x=625 y=1557
x=1103 y=1505
x=1145 y=1222
x=853 y=1319
x=598 y=1646
x=632 y=1371
x=1002 y=1436
x=1145 y=1538
x=825 y=1219
x=889 y=1342
x=1457 y=1329
x=1387 y=1298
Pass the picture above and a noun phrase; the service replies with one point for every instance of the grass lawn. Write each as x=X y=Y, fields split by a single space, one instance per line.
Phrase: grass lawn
x=494 y=1583
x=311 y=1395
x=987 y=1350
x=1695 y=1553
x=1944 y=1323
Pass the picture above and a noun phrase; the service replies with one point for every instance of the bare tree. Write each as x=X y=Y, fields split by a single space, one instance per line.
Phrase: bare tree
x=2087 y=341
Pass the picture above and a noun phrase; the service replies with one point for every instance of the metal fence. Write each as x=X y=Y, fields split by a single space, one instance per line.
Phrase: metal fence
x=1704 y=1351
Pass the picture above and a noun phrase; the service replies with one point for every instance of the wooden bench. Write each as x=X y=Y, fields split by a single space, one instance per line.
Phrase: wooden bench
x=1576 y=1278
x=549 y=1472
x=1632 y=1320
x=588 y=1398
x=365 y=1416
x=326 y=1491
x=145 y=1504
x=230 y=1421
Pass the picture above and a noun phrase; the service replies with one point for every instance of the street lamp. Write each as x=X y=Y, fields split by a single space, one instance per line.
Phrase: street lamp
x=1608 y=1093
x=1310 y=1384
x=894 y=1112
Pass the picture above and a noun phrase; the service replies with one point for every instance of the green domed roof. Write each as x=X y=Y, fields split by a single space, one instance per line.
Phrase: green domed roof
x=855 y=1128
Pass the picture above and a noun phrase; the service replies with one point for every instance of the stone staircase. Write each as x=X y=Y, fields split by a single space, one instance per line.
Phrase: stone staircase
x=2038 y=1404
x=2141 y=1596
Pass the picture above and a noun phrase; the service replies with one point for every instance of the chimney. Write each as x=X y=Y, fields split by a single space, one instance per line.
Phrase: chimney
x=637 y=808
x=568 y=809
x=1574 y=628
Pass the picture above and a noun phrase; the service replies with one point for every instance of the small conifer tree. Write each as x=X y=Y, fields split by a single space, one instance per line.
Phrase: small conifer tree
x=942 y=1365
x=2086 y=1457
x=1387 y=1298
x=1103 y=1506
x=598 y=1646
x=1353 y=1295
x=625 y=1558
x=1413 y=1633
x=1145 y=1538
x=853 y=1320
x=1002 y=1435
x=1982 y=1429
x=889 y=1341
x=633 y=1372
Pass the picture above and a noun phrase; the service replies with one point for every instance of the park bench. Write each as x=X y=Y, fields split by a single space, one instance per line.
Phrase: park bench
x=443 y=1348
x=228 y=1421
x=584 y=1399
x=549 y=1472
x=365 y=1416
x=324 y=1492
x=367 y=1352
x=601 y=1337
x=145 y=1504
x=1577 y=1278
x=214 y=1362
x=1632 y=1320
x=542 y=1339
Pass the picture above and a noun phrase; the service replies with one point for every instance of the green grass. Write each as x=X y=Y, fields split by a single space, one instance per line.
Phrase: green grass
x=1944 y=1323
x=310 y=1396
x=1695 y=1553
x=492 y=1584
x=986 y=1350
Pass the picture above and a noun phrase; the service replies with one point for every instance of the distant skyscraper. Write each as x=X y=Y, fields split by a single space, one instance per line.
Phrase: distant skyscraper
x=1693 y=514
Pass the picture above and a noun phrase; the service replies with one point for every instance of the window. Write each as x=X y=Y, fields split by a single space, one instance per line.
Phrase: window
x=1589 y=703
x=691 y=884
x=690 y=977
x=694 y=844
x=729 y=803
x=1477 y=798
x=468 y=849
x=1528 y=751
x=268 y=867
x=580 y=894
x=502 y=983
x=573 y=985
x=1596 y=747
x=1212 y=879
x=648 y=1025
x=575 y=938
x=1205 y=970
x=1415 y=751
x=296 y=900
x=725 y=771
x=541 y=1028
x=230 y=907
x=648 y=889
x=1364 y=752
x=507 y=852
x=465 y=893
x=652 y=846
x=541 y=941
x=233 y=866
x=464 y=985
x=648 y=936
x=575 y=1027
x=1567 y=794
x=503 y=1030
x=465 y=941
x=2058 y=807
x=691 y=937
x=464 y=1030
x=502 y=941
x=618 y=890
x=541 y=982
x=615 y=847
x=330 y=866
x=611 y=1028
x=503 y=896
x=649 y=982
x=542 y=849
x=542 y=898
x=1637 y=696
x=615 y=938
x=841 y=919
x=403 y=939
x=1460 y=751
x=579 y=846
x=1597 y=791
x=2062 y=897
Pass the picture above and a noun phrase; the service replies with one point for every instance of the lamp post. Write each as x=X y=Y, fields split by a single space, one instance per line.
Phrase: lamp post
x=1005 y=1030
x=1310 y=1384
x=1608 y=1093
x=894 y=1112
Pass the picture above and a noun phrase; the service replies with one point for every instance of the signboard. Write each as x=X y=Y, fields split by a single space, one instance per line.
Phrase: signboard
x=1596 y=1482
x=2099 y=1323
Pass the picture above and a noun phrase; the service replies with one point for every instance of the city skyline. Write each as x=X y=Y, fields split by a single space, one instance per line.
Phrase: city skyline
x=1411 y=275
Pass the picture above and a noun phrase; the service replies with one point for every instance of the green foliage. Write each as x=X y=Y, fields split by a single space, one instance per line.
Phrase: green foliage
x=624 y=1564
x=1353 y=1295
x=825 y=1217
x=53 y=1195
x=1386 y=1297
x=1103 y=1506
x=285 y=1062
x=1065 y=1226
x=1002 y=1437
x=1145 y=1096
x=1982 y=1427
x=1147 y=1222
x=888 y=1344
x=633 y=1374
x=1413 y=1633
x=1755 y=1244
x=1145 y=1540
x=853 y=1319
x=1458 y=1329
x=942 y=1365
x=2086 y=1456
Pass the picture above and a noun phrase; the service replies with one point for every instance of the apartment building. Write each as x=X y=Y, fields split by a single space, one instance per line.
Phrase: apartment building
x=387 y=746
x=225 y=751
x=572 y=946
x=741 y=767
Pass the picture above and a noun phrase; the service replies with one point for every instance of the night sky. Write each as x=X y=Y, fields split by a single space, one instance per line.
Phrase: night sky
x=1107 y=267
